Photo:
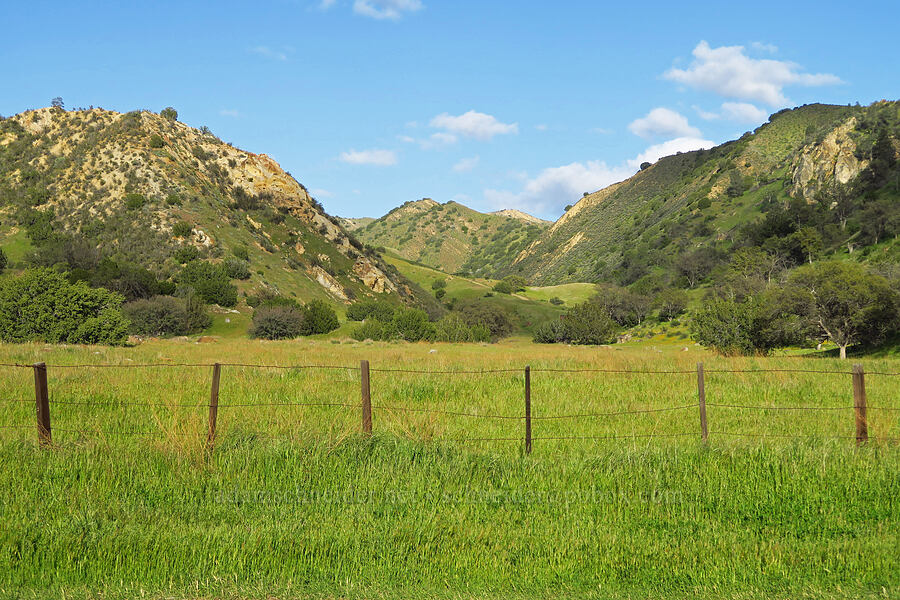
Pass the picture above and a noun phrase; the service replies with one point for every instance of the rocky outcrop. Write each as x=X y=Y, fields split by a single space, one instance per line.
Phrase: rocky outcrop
x=822 y=165
x=372 y=276
x=329 y=283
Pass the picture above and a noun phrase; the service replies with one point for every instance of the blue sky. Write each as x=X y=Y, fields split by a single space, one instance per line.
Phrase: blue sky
x=527 y=104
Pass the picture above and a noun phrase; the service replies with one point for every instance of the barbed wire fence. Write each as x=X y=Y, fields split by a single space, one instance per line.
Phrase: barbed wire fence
x=860 y=406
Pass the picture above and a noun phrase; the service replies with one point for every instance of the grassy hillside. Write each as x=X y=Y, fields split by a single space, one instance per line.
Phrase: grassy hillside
x=528 y=309
x=141 y=190
x=451 y=237
x=831 y=169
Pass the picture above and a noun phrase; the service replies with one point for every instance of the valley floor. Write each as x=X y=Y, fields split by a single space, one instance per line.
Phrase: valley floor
x=618 y=499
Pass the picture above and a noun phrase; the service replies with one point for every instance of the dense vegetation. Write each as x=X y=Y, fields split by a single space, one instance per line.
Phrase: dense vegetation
x=677 y=222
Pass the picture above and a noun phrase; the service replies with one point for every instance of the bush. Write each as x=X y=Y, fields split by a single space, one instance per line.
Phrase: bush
x=378 y=310
x=169 y=113
x=725 y=325
x=210 y=281
x=476 y=312
x=438 y=284
x=318 y=317
x=41 y=305
x=134 y=201
x=412 y=324
x=374 y=330
x=440 y=293
x=585 y=323
x=503 y=287
x=182 y=229
x=156 y=141
x=173 y=200
x=556 y=301
x=3 y=260
x=165 y=316
x=242 y=253
x=186 y=254
x=516 y=283
x=277 y=323
x=452 y=328
x=237 y=269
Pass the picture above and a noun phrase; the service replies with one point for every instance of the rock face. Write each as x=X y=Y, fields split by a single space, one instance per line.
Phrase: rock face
x=329 y=283
x=821 y=166
x=372 y=277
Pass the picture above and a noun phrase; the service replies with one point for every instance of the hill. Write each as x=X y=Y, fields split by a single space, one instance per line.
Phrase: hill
x=96 y=189
x=814 y=181
x=451 y=237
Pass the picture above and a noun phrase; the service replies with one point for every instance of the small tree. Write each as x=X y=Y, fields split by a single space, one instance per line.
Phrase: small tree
x=848 y=303
x=3 y=260
x=671 y=303
x=277 y=323
x=169 y=113
x=318 y=317
x=58 y=103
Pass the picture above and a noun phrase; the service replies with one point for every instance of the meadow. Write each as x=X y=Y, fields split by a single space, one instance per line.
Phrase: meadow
x=294 y=501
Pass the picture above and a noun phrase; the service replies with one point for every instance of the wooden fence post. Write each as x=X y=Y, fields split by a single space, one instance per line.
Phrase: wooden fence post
x=527 y=410
x=859 y=405
x=366 y=397
x=42 y=400
x=213 y=405
x=701 y=395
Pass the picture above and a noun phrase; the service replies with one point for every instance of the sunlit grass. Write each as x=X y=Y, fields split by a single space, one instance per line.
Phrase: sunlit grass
x=294 y=501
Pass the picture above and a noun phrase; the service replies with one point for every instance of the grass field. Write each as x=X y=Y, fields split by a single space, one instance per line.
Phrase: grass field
x=293 y=501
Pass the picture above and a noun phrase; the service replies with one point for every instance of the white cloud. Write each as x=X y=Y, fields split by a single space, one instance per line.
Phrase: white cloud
x=229 y=112
x=435 y=141
x=326 y=4
x=466 y=164
x=668 y=148
x=270 y=53
x=541 y=127
x=553 y=188
x=376 y=157
x=729 y=72
x=385 y=9
x=706 y=115
x=744 y=112
x=663 y=122
x=321 y=193
x=764 y=47
x=473 y=125
x=601 y=131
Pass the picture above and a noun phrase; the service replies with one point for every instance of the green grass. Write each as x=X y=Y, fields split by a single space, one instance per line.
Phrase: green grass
x=294 y=502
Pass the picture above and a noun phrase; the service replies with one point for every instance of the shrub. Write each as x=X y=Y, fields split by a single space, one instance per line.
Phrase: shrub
x=237 y=269
x=412 y=324
x=585 y=323
x=277 y=323
x=440 y=293
x=210 y=281
x=725 y=325
x=165 y=316
x=476 y=312
x=156 y=141
x=556 y=301
x=516 y=283
x=186 y=254
x=241 y=252
x=318 y=317
x=134 y=201
x=182 y=229
x=378 y=310
x=503 y=287
x=438 y=284
x=374 y=330
x=173 y=200
x=452 y=328
x=3 y=260
x=41 y=305
x=169 y=113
